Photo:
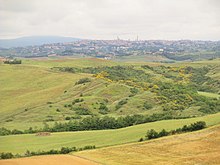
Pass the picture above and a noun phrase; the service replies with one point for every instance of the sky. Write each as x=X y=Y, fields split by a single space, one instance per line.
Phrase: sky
x=107 y=19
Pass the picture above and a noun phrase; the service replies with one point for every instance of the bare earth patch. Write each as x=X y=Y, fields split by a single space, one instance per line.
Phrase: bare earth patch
x=48 y=160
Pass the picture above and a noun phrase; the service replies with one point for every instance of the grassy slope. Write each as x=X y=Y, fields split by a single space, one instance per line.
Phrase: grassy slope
x=32 y=84
x=101 y=138
x=71 y=62
x=201 y=147
x=208 y=94
x=27 y=87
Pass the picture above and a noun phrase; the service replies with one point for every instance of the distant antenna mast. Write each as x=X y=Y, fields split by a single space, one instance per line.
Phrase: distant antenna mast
x=137 y=38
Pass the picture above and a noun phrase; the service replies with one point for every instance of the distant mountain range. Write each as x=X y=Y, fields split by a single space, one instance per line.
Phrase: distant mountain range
x=34 y=40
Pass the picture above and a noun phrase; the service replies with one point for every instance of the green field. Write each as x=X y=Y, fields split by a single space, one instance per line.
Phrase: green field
x=102 y=138
x=199 y=147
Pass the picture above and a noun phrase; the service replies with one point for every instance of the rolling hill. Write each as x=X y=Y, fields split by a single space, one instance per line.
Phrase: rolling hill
x=39 y=91
x=73 y=98
x=201 y=147
x=99 y=138
x=34 y=40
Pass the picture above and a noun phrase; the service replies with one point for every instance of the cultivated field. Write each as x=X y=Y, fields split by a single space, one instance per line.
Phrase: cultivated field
x=49 y=160
x=100 y=138
x=201 y=147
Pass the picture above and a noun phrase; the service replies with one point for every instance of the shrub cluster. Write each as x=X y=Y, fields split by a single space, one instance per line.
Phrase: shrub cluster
x=152 y=134
x=83 y=80
x=15 y=61
x=82 y=111
x=63 y=150
x=77 y=101
x=103 y=109
x=120 y=104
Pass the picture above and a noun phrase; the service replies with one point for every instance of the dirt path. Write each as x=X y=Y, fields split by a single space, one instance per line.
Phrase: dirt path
x=48 y=160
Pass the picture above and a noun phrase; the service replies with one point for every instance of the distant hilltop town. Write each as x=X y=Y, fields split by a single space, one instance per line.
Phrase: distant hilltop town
x=109 y=49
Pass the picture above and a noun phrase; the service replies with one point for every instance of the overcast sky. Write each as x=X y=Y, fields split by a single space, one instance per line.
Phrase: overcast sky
x=107 y=19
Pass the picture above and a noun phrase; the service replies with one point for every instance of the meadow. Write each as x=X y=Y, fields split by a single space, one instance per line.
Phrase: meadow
x=99 y=138
x=32 y=93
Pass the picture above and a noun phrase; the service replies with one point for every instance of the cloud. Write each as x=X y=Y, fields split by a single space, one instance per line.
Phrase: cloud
x=107 y=19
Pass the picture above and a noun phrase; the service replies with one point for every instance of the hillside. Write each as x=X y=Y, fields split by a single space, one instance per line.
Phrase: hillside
x=45 y=90
x=34 y=40
x=200 y=147
x=99 y=138
x=94 y=102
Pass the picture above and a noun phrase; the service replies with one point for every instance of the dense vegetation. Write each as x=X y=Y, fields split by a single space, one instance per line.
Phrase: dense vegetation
x=14 y=61
x=152 y=134
x=93 y=123
x=178 y=94
x=63 y=150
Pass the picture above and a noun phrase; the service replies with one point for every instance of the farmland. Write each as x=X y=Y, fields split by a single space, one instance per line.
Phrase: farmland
x=100 y=138
x=101 y=103
x=200 y=147
x=49 y=160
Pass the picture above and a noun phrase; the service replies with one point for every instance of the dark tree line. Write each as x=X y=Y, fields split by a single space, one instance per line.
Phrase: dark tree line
x=152 y=134
x=94 y=123
x=63 y=150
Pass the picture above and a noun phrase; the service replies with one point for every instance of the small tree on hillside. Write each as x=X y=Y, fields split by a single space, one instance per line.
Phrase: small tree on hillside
x=152 y=134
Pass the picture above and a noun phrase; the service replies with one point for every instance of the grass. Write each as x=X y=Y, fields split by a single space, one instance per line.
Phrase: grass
x=25 y=90
x=70 y=62
x=200 y=147
x=27 y=87
x=208 y=94
x=100 y=138
x=140 y=58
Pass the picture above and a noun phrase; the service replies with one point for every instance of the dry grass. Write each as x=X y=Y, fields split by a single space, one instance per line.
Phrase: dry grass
x=202 y=148
x=48 y=160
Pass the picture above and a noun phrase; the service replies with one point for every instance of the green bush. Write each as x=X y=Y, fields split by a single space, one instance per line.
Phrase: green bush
x=83 y=80
x=120 y=104
x=82 y=111
x=6 y=155
x=147 y=105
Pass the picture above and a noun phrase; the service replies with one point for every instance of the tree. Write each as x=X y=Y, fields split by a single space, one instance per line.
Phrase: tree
x=141 y=139
x=197 y=125
x=7 y=155
x=163 y=133
x=152 y=134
